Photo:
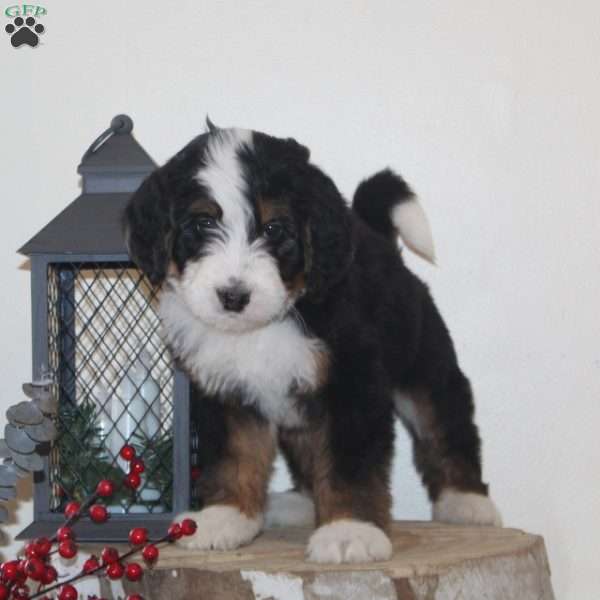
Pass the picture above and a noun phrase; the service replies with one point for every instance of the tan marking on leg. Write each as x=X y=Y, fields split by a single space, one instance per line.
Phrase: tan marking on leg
x=438 y=469
x=241 y=479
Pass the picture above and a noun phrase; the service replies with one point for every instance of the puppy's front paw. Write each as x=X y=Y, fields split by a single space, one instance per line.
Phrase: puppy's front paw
x=348 y=541
x=220 y=528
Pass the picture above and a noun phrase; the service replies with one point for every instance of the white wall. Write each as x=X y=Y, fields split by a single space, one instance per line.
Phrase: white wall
x=490 y=109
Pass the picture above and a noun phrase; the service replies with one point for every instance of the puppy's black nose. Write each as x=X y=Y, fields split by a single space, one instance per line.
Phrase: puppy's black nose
x=233 y=298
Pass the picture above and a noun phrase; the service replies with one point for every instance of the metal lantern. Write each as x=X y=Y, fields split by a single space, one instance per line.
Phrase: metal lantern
x=96 y=339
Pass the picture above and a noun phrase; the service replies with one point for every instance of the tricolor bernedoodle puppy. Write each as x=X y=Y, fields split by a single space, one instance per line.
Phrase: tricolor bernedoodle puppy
x=302 y=330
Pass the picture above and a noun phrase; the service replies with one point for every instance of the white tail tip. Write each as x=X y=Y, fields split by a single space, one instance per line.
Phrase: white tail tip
x=412 y=225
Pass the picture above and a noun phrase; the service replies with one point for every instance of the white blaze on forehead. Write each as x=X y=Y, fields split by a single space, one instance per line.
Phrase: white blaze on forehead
x=223 y=176
x=231 y=256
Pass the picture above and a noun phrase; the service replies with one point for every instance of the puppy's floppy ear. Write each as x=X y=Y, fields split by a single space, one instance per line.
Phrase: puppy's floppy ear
x=328 y=245
x=148 y=229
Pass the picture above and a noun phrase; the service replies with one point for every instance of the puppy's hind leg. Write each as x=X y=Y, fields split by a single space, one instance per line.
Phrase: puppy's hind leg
x=294 y=508
x=446 y=449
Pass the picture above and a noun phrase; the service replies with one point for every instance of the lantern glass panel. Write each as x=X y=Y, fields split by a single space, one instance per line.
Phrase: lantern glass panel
x=114 y=380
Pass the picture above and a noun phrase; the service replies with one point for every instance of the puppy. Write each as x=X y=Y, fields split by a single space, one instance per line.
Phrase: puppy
x=301 y=329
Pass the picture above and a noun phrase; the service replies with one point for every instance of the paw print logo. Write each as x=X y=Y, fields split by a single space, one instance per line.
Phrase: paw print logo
x=24 y=32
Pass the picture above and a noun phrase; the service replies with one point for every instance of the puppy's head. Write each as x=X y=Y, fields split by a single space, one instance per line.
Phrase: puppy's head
x=241 y=225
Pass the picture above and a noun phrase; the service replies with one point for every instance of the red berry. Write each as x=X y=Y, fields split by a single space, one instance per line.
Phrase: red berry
x=21 y=593
x=72 y=509
x=10 y=570
x=67 y=592
x=21 y=575
x=127 y=452
x=137 y=466
x=138 y=536
x=64 y=533
x=67 y=549
x=91 y=564
x=98 y=513
x=188 y=527
x=30 y=550
x=109 y=555
x=195 y=473
x=130 y=597
x=115 y=570
x=43 y=546
x=150 y=553
x=133 y=481
x=175 y=532
x=5 y=592
x=134 y=571
x=50 y=575
x=105 y=488
x=35 y=568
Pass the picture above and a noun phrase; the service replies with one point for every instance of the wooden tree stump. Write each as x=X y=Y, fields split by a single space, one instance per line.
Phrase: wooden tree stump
x=431 y=562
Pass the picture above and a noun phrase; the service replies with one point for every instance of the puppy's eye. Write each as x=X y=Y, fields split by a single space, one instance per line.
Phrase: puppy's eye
x=205 y=223
x=273 y=231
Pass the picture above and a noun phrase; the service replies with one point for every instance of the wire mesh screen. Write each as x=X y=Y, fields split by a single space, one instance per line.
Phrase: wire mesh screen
x=114 y=379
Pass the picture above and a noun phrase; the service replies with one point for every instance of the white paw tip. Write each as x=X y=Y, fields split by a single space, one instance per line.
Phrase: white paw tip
x=466 y=508
x=220 y=528
x=348 y=541
x=289 y=509
x=413 y=227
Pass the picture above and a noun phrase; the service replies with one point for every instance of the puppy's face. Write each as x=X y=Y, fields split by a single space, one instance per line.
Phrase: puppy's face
x=231 y=221
x=238 y=252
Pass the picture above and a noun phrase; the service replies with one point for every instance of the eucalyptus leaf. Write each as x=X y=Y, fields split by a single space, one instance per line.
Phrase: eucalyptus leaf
x=18 y=440
x=24 y=413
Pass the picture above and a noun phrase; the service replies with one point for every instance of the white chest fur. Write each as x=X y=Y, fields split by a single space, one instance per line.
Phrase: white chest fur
x=264 y=364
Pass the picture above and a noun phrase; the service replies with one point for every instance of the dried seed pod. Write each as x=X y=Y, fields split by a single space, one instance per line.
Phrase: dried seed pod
x=24 y=413
x=18 y=441
x=28 y=462
x=47 y=403
x=20 y=471
x=7 y=492
x=4 y=452
x=44 y=432
x=8 y=475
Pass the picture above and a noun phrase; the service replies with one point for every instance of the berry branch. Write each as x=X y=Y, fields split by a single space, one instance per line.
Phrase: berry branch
x=35 y=565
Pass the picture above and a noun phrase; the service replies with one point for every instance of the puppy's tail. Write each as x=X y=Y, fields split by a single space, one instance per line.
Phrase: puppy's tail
x=387 y=205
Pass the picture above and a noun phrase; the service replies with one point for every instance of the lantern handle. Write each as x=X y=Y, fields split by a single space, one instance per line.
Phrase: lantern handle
x=120 y=124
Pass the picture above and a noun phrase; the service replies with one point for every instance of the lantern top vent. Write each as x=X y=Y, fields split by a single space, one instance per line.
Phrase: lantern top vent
x=111 y=169
x=115 y=161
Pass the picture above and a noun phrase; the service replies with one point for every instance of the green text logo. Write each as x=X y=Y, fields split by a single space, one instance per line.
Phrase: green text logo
x=25 y=10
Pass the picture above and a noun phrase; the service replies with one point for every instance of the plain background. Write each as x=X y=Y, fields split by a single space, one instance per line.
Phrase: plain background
x=490 y=109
